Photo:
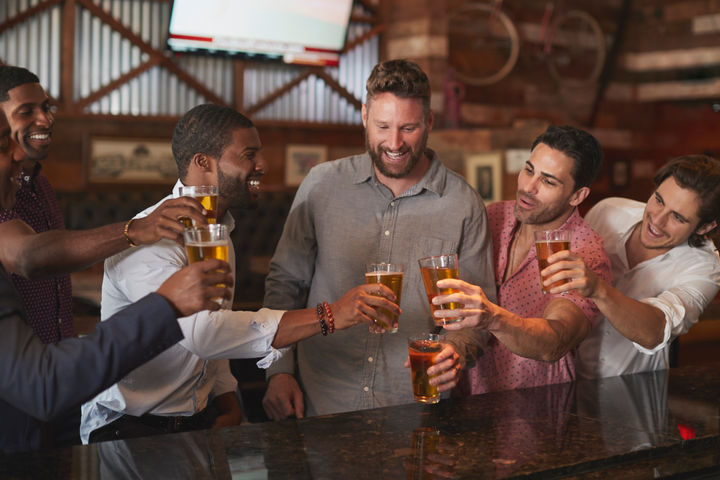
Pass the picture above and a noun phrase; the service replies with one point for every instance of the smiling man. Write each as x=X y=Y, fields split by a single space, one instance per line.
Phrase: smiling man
x=532 y=337
x=396 y=203
x=665 y=269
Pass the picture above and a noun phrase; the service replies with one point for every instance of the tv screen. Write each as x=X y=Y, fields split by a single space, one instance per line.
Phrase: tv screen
x=310 y=32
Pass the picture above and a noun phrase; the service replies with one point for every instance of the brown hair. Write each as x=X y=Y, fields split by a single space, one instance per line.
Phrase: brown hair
x=701 y=174
x=402 y=78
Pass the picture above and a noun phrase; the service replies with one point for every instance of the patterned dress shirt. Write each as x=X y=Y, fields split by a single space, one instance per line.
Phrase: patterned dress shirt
x=498 y=368
x=48 y=301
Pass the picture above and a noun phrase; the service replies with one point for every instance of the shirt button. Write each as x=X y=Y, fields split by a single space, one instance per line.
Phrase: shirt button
x=387 y=232
x=370 y=359
x=366 y=389
x=392 y=204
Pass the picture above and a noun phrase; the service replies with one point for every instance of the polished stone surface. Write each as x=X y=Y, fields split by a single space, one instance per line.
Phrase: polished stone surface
x=638 y=426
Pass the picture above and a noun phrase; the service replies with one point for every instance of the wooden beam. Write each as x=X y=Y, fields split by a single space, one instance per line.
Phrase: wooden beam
x=26 y=14
x=264 y=102
x=152 y=52
x=239 y=85
x=117 y=83
x=342 y=91
x=376 y=30
x=67 y=56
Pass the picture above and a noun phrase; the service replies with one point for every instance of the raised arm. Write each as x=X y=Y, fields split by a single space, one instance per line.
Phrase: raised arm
x=547 y=338
x=35 y=255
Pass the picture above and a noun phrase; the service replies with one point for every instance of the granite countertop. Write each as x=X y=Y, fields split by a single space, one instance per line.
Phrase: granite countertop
x=650 y=425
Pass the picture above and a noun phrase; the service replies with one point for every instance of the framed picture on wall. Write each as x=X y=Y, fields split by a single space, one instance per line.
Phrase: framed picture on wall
x=130 y=160
x=484 y=172
x=299 y=159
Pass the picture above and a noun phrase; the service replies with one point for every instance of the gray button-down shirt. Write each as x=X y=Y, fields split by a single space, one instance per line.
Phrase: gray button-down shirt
x=342 y=218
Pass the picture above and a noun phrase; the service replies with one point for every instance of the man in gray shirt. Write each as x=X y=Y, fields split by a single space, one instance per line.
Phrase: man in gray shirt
x=396 y=203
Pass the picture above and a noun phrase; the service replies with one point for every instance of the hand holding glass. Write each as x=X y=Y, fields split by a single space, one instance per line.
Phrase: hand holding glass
x=437 y=268
x=548 y=242
x=390 y=275
x=207 y=241
x=423 y=349
x=207 y=195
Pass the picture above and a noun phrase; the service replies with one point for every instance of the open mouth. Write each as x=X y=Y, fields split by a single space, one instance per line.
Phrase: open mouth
x=654 y=232
x=253 y=184
x=396 y=157
x=525 y=201
x=39 y=138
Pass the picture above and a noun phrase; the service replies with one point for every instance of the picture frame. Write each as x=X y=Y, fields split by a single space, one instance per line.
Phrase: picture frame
x=130 y=160
x=299 y=159
x=484 y=173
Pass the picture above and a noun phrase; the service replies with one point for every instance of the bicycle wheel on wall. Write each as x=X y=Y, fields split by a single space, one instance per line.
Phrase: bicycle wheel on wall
x=577 y=48
x=483 y=44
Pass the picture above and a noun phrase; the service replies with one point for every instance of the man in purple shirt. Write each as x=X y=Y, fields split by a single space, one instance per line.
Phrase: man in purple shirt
x=530 y=338
x=31 y=116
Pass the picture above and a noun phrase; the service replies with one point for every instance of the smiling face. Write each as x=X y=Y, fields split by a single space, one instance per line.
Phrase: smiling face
x=240 y=169
x=671 y=216
x=11 y=158
x=31 y=117
x=396 y=132
x=545 y=193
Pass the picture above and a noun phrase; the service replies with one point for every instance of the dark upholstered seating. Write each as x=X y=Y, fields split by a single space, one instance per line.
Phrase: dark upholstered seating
x=256 y=233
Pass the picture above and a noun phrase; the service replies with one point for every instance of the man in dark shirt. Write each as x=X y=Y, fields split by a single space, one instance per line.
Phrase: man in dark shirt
x=31 y=392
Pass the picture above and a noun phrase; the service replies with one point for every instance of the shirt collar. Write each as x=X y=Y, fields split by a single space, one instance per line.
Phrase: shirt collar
x=29 y=176
x=434 y=179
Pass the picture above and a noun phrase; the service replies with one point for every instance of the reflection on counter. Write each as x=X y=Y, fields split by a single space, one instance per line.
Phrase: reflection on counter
x=637 y=426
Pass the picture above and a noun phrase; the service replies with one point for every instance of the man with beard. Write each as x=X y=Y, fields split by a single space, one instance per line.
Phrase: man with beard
x=396 y=203
x=40 y=264
x=531 y=337
x=190 y=385
x=664 y=264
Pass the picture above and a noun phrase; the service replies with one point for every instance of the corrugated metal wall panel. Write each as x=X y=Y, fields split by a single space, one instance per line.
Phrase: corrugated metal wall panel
x=102 y=55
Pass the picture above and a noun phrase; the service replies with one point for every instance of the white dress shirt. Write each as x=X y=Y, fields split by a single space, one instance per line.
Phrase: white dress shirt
x=181 y=380
x=680 y=282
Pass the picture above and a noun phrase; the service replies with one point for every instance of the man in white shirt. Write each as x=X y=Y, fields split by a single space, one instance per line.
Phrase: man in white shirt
x=664 y=264
x=212 y=145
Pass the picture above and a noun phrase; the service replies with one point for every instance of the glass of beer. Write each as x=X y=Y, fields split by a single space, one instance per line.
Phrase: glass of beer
x=207 y=195
x=207 y=241
x=390 y=275
x=423 y=349
x=548 y=242
x=437 y=268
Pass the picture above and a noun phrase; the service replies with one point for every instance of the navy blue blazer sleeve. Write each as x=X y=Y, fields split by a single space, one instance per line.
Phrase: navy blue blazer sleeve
x=44 y=380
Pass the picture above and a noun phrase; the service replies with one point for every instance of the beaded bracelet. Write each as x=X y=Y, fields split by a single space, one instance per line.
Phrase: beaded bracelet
x=330 y=317
x=321 y=319
x=126 y=232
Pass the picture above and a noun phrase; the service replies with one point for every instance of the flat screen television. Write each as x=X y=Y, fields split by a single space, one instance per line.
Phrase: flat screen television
x=310 y=32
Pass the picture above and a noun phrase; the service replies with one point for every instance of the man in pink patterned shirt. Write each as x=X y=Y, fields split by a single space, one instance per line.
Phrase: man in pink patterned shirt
x=529 y=338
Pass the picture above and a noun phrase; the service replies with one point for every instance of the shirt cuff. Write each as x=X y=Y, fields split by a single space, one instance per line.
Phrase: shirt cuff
x=270 y=320
x=670 y=311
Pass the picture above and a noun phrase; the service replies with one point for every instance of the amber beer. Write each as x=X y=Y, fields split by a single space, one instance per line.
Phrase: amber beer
x=207 y=195
x=437 y=268
x=207 y=241
x=424 y=445
x=548 y=242
x=423 y=349
x=390 y=275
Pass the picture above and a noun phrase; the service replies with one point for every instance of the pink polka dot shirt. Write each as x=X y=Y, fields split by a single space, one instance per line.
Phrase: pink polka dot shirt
x=499 y=368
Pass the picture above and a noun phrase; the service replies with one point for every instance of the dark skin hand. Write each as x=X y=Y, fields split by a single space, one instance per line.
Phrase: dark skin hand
x=164 y=221
x=193 y=288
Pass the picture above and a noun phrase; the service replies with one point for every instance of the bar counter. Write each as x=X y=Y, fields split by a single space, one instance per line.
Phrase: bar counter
x=650 y=425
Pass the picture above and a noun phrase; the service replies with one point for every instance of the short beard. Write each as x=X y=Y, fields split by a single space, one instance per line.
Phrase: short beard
x=415 y=157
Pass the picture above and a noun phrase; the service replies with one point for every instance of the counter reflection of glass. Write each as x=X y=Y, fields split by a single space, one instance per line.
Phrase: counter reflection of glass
x=432 y=455
x=423 y=349
x=207 y=195
x=437 y=268
x=207 y=241
x=390 y=275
